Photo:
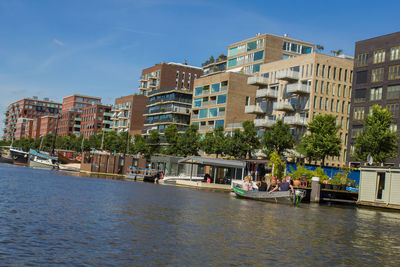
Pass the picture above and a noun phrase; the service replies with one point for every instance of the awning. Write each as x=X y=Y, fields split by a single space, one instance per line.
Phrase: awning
x=239 y=69
x=213 y=162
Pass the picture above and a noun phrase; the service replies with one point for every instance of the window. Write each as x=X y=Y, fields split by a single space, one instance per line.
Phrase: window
x=329 y=72
x=376 y=93
x=256 y=67
x=338 y=89
x=326 y=104
x=344 y=91
x=315 y=102
x=393 y=92
x=219 y=123
x=233 y=51
x=395 y=53
x=343 y=104
x=215 y=87
x=361 y=77
x=203 y=113
x=213 y=112
x=393 y=108
x=327 y=88
x=258 y=55
x=337 y=106
x=317 y=71
x=221 y=99
x=394 y=72
x=377 y=75
x=198 y=91
x=358 y=113
x=322 y=87
x=316 y=86
x=306 y=49
x=320 y=103
x=379 y=56
x=232 y=62
x=362 y=60
x=360 y=95
x=332 y=105
x=197 y=102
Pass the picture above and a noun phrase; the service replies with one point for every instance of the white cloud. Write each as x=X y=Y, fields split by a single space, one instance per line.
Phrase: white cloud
x=58 y=42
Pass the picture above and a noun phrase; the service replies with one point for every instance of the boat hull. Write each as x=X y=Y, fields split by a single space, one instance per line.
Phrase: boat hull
x=6 y=159
x=275 y=197
x=41 y=165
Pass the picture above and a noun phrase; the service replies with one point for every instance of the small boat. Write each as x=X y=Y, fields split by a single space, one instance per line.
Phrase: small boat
x=277 y=197
x=64 y=159
x=140 y=174
x=42 y=160
x=19 y=156
x=5 y=157
x=182 y=177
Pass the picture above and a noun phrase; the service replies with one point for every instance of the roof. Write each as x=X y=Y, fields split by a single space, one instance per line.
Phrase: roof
x=213 y=162
x=184 y=65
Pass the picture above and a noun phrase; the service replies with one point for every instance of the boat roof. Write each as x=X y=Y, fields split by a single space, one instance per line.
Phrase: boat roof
x=213 y=162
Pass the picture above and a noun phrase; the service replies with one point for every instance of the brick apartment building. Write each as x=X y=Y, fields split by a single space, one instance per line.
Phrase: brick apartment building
x=376 y=82
x=168 y=75
x=94 y=119
x=20 y=114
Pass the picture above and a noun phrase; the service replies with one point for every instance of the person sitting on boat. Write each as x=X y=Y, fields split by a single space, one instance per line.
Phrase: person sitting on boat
x=283 y=185
x=262 y=185
x=248 y=184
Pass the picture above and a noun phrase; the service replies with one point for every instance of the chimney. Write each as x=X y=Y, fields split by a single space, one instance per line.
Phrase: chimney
x=185 y=62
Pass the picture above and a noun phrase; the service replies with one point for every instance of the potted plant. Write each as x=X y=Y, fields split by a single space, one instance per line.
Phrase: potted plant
x=336 y=182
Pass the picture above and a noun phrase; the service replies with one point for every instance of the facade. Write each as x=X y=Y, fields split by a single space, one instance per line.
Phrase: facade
x=127 y=114
x=296 y=89
x=376 y=81
x=94 y=119
x=70 y=119
x=47 y=125
x=219 y=100
x=168 y=75
x=27 y=109
x=168 y=106
x=247 y=56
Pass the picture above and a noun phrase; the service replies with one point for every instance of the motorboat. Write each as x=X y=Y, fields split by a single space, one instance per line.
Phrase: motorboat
x=182 y=177
x=276 y=197
x=43 y=160
x=19 y=156
x=139 y=174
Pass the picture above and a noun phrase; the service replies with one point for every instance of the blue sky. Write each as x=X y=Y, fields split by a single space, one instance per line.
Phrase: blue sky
x=56 y=48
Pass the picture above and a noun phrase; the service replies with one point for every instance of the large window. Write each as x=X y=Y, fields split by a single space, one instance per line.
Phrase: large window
x=306 y=49
x=395 y=53
x=251 y=45
x=232 y=62
x=360 y=95
x=379 y=56
x=256 y=67
x=203 y=113
x=393 y=92
x=219 y=123
x=197 y=102
x=213 y=112
x=377 y=75
x=393 y=108
x=362 y=59
x=358 y=113
x=376 y=93
x=394 y=72
x=258 y=55
x=221 y=99
x=215 y=87
x=198 y=91
x=233 y=51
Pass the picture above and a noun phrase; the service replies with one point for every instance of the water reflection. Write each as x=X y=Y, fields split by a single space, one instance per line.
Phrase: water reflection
x=49 y=218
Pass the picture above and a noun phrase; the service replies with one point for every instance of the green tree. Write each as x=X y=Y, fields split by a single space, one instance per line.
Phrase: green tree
x=235 y=145
x=250 y=138
x=189 y=141
x=320 y=48
x=172 y=137
x=377 y=139
x=214 y=142
x=278 y=167
x=278 y=139
x=322 y=140
x=337 y=52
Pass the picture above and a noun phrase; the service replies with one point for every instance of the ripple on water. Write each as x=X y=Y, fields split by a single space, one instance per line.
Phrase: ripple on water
x=47 y=218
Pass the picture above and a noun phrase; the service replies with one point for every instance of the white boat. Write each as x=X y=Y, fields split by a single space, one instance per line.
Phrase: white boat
x=182 y=177
x=139 y=174
x=36 y=162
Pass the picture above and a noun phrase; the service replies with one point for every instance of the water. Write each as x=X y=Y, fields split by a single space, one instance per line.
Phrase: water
x=48 y=218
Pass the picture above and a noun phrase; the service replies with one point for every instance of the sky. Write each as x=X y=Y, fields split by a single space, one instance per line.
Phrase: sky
x=54 y=48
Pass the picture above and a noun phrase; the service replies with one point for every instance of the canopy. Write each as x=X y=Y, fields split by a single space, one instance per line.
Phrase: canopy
x=213 y=162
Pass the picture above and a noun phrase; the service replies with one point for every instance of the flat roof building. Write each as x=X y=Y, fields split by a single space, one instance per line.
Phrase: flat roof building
x=94 y=119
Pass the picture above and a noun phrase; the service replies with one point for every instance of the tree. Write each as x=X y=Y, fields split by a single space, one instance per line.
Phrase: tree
x=250 y=138
x=320 y=48
x=235 y=145
x=377 y=139
x=214 y=142
x=189 y=141
x=172 y=137
x=336 y=52
x=323 y=140
x=278 y=138
x=152 y=144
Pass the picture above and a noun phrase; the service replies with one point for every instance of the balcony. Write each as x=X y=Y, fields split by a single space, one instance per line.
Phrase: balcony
x=78 y=119
x=263 y=123
x=195 y=116
x=107 y=114
x=283 y=106
x=253 y=109
x=298 y=89
x=257 y=80
x=296 y=121
x=266 y=93
x=107 y=122
x=288 y=75
x=77 y=126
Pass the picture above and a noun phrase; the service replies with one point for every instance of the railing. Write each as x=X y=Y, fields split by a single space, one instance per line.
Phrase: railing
x=224 y=88
x=267 y=93
x=169 y=109
x=165 y=90
x=108 y=114
x=175 y=99
x=257 y=80
x=296 y=120
x=287 y=75
x=195 y=117
x=265 y=123
x=298 y=88
x=213 y=102
x=283 y=106
x=253 y=109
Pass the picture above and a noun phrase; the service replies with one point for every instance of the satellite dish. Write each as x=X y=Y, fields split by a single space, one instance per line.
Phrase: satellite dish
x=370 y=160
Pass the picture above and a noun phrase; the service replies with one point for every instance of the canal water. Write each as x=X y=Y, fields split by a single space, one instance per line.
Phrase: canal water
x=49 y=218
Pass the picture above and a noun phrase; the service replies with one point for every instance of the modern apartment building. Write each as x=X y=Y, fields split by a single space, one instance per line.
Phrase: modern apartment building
x=296 y=89
x=219 y=100
x=127 y=114
x=376 y=81
x=168 y=75
x=70 y=120
x=247 y=56
x=168 y=106
x=213 y=67
x=25 y=110
x=94 y=119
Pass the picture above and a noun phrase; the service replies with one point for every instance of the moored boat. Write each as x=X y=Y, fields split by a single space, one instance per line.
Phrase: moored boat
x=19 y=156
x=140 y=174
x=5 y=157
x=276 y=197
x=42 y=160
